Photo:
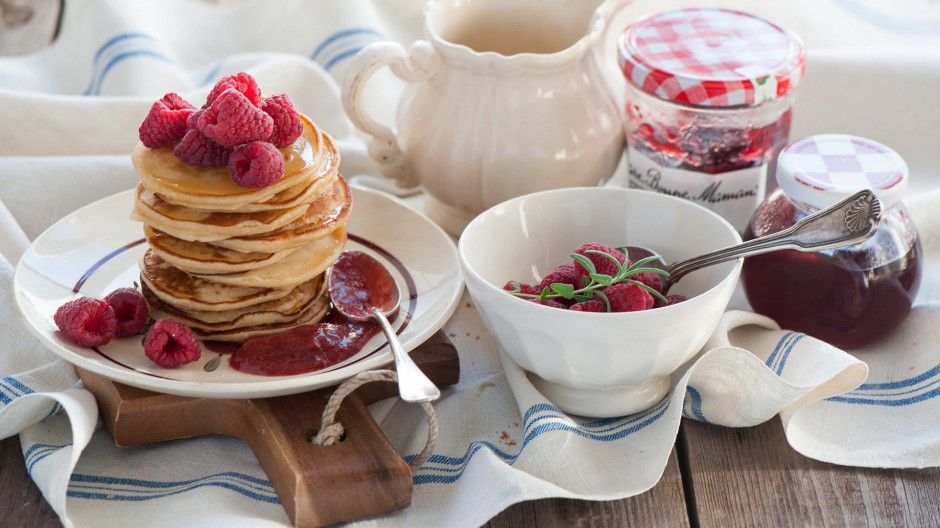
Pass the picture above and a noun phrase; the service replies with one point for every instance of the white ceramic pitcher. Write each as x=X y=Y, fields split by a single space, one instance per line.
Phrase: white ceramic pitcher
x=504 y=99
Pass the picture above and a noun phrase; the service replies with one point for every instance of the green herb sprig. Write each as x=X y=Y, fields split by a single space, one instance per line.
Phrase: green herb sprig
x=594 y=282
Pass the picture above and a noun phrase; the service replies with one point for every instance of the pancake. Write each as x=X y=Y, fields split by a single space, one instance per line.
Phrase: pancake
x=283 y=310
x=321 y=218
x=306 y=262
x=314 y=314
x=173 y=286
x=206 y=226
x=310 y=164
x=207 y=258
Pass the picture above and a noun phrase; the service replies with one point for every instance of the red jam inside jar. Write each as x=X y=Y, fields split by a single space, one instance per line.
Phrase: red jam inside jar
x=850 y=296
x=708 y=105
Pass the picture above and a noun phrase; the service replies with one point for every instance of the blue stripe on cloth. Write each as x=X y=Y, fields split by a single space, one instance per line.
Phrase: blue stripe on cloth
x=780 y=350
x=341 y=57
x=17 y=384
x=855 y=399
x=342 y=34
x=901 y=383
x=786 y=353
x=36 y=452
x=607 y=430
x=11 y=389
x=118 y=38
x=98 y=80
x=695 y=404
x=921 y=387
x=124 y=489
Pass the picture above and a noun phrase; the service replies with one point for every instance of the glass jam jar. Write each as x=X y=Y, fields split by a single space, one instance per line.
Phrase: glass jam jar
x=849 y=296
x=708 y=105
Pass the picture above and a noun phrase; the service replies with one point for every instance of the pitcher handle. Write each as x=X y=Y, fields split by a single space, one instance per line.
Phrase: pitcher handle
x=414 y=65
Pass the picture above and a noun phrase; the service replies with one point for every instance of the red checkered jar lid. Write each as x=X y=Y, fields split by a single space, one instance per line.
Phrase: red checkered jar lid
x=822 y=170
x=711 y=57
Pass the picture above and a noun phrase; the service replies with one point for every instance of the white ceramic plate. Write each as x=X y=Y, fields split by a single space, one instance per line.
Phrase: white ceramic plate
x=96 y=249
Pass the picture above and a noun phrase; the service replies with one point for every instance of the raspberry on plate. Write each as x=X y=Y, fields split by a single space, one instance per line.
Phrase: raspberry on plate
x=233 y=120
x=604 y=265
x=199 y=151
x=241 y=82
x=628 y=297
x=87 y=322
x=256 y=165
x=170 y=344
x=166 y=121
x=287 y=124
x=130 y=310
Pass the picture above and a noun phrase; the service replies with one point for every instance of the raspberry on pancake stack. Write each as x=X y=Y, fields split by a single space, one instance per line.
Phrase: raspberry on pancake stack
x=244 y=210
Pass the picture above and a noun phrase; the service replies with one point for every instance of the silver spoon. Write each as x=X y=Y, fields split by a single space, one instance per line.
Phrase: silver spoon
x=852 y=220
x=361 y=288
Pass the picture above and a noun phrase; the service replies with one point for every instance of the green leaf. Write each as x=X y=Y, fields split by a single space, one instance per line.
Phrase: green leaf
x=604 y=297
x=515 y=287
x=645 y=261
x=585 y=262
x=657 y=271
x=603 y=280
x=562 y=289
x=609 y=257
x=546 y=291
x=583 y=296
x=647 y=288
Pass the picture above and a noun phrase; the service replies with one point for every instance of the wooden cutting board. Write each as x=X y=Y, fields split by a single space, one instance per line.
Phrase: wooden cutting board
x=362 y=476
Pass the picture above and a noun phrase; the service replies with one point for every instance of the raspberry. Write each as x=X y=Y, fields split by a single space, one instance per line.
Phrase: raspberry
x=256 y=165
x=628 y=297
x=242 y=82
x=603 y=264
x=653 y=280
x=199 y=151
x=87 y=322
x=233 y=120
x=524 y=288
x=595 y=304
x=166 y=122
x=566 y=274
x=670 y=300
x=170 y=344
x=549 y=302
x=287 y=125
x=130 y=310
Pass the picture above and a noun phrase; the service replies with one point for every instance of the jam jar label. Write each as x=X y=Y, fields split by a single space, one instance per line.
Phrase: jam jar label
x=734 y=194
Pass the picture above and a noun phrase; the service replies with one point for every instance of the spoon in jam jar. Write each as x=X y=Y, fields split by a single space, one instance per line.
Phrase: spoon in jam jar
x=850 y=221
x=361 y=288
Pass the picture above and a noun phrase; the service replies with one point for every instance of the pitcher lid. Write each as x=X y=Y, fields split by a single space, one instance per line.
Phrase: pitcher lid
x=821 y=170
x=711 y=57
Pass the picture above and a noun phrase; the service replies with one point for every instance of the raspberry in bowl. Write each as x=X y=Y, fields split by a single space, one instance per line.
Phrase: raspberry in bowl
x=596 y=364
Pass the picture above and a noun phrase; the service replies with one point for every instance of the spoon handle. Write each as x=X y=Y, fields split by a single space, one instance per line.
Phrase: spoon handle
x=413 y=385
x=852 y=220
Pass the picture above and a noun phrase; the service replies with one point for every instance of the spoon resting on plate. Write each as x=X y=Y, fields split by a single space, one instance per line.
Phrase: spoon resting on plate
x=361 y=288
x=850 y=221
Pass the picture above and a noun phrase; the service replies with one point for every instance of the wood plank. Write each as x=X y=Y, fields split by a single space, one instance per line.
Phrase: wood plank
x=27 y=25
x=21 y=503
x=664 y=505
x=752 y=477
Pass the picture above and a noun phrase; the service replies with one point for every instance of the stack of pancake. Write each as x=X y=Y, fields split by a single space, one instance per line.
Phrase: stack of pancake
x=231 y=262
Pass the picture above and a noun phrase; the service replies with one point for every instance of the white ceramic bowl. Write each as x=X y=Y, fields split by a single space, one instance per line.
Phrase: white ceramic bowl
x=596 y=364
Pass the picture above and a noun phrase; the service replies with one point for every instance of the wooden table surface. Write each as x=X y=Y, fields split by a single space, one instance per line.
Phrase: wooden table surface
x=716 y=476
